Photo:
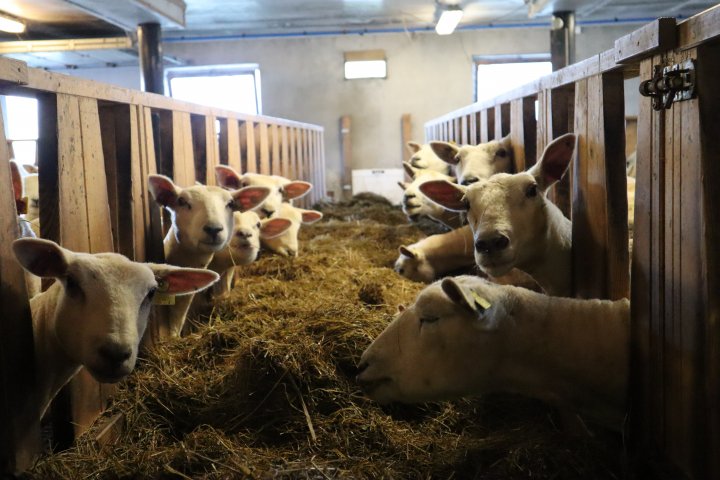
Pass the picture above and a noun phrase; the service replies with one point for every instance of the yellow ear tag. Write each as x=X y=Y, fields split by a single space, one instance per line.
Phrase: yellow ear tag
x=162 y=298
x=480 y=300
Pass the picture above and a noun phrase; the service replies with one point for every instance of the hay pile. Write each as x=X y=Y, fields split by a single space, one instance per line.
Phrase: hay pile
x=266 y=389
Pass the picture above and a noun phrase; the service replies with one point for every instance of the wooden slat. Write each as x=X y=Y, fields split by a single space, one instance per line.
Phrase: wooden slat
x=233 y=145
x=405 y=136
x=276 y=166
x=502 y=120
x=17 y=359
x=138 y=175
x=292 y=138
x=560 y=111
x=13 y=72
x=198 y=139
x=262 y=133
x=657 y=36
x=346 y=156
x=523 y=135
x=285 y=152
x=251 y=155
x=212 y=155
x=701 y=28
x=183 y=162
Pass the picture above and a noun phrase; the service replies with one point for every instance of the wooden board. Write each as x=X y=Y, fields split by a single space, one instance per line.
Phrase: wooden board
x=251 y=155
x=523 y=136
x=275 y=161
x=182 y=144
x=405 y=136
x=212 y=149
x=263 y=134
x=285 y=152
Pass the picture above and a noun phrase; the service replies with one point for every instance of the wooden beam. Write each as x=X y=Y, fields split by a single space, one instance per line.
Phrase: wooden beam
x=405 y=136
x=657 y=36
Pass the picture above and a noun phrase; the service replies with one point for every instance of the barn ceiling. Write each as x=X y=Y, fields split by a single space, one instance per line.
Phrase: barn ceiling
x=53 y=19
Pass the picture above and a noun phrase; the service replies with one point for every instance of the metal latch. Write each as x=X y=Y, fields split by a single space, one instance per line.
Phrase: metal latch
x=673 y=83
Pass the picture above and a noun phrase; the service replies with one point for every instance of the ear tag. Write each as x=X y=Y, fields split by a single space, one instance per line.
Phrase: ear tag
x=161 y=296
x=480 y=301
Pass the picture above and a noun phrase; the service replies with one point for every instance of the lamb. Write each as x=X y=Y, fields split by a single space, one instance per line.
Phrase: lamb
x=244 y=244
x=281 y=188
x=476 y=162
x=514 y=225
x=286 y=244
x=466 y=336
x=202 y=217
x=423 y=157
x=416 y=205
x=94 y=315
x=436 y=255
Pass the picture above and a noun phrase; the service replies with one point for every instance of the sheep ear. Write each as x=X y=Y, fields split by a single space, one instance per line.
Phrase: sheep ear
x=446 y=151
x=163 y=190
x=470 y=300
x=407 y=252
x=250 y=197
x=445 y=194
x=404 y=185
x=182 y=281
x=554 y=161
x=401 y=308
x=42 y=257
x=274 y=227
x=410 y=170
x=413 y=147
x=295 y=189
x=310 y=216
x=227 y=177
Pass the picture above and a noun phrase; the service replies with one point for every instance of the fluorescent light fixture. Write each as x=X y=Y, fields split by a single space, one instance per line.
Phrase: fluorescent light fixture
x=449 y=19
x=11 y=24
x=365 y=69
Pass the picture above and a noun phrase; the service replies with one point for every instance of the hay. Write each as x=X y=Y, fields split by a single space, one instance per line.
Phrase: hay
x=265 y=390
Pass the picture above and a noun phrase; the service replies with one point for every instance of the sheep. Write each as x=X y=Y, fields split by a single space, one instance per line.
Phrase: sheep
x=202 y=219
x=93 y=315
x=281 y=189
x=33 y=284
x=244 y=244
x=286 y=244
x=514 y=224
x=415 y=204
x=436 y=255
x=466 y=336
x=476 y=162
x=423 y=157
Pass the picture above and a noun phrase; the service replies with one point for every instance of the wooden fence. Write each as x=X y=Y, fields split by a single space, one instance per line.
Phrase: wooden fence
x=675 y=295
x=97 y=145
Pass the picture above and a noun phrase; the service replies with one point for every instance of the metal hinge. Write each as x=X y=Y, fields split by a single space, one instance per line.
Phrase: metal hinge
x=673 y=83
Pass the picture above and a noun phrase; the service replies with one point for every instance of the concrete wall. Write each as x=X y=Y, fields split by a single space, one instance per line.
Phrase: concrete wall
x=428 y=75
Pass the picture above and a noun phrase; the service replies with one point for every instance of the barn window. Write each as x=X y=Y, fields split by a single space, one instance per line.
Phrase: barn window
x=20 y=115
x=365 y=64
x=231 y=87
x=497 y=74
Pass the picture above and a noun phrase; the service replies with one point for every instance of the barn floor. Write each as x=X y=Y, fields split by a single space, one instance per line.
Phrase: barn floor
x=265 y=389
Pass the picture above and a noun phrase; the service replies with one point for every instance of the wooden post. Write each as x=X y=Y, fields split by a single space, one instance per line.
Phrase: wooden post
x=285 y=153
x=406 y=136
x=523 y=132
x=183 y=161
x=212 y=149
x=502 y=120
x=200 y=152
x=251 y=155
x=346 y=156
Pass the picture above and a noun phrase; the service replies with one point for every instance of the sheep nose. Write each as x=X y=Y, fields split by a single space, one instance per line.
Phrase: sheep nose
x=212 y=230
x=469 y=180
x=268 y=213
x=492 y=244
x=291 y=252
x=114 y=353
x=409 y=195
x=243 y=234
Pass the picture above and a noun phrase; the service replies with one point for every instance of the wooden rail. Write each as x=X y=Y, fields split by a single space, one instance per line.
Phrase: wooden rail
x=675 y=394
x=97 y=145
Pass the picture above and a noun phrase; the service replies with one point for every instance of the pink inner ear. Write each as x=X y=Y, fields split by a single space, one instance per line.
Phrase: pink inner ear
x=186 y=280
x=274 y=227
x=250 y=197
x=16 y=180
x=163 y=191
x=227 y=177
x=311 y=216
x=557 y=157
x=445 y=151
x=445 y=194
x=296 y=189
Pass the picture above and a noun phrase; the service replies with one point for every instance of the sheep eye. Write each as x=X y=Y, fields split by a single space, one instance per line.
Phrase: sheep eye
x=258 y=225
x=531 y=191
x=501 y=153
x=72 y=287
x=231 y=204
x=183 y=203
x=150 y=294
x=457 y=158
x=429 y=319
x=401 y=271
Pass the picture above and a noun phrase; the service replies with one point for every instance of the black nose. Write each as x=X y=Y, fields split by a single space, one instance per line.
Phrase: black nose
x=212 y=230
x=243 y=234
x=268 y=213
x=114 y=353
x=492 y=244
x=291 y=253
x=409 y=195
x=469 y=180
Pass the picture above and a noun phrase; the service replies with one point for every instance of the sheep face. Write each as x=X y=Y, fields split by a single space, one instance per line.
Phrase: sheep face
x=413 y=265
x=281 y=189
x=423 y=157
x=476 y=162
x=286 y=244
x=249 y=228
x=102 y=302
x=509 y=214
x=202 y=216
x=415 y=204
x=443 y=346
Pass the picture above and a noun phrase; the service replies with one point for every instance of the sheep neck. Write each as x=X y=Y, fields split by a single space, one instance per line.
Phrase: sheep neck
x=454 y=250
x=182 y=256
x=450 y=219
x=570 y=352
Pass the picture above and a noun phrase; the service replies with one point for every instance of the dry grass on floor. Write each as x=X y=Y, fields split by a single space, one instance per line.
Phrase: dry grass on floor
x=265 y=390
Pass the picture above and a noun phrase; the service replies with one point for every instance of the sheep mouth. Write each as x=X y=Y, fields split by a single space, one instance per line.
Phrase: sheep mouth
x=109 y=375
x=372 y=385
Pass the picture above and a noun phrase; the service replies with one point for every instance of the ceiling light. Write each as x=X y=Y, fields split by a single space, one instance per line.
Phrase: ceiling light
x=11 y=24
x=449 y=19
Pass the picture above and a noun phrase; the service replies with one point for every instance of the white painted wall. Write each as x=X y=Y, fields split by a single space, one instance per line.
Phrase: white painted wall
x=428 y=75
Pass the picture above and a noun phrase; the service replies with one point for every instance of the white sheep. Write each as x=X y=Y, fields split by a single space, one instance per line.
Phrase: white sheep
x=514 y=224
x=281 y=188
x=466 y=336
x=33 y=284
x=416 y=205
x=423 y=157
x=286 y=244
x=436 y=255
x=476 y=162
x=202 y=221
x=244 y=244
x=94 y=315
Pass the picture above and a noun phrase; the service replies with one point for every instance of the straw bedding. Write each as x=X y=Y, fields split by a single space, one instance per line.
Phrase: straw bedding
x=266 y=390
